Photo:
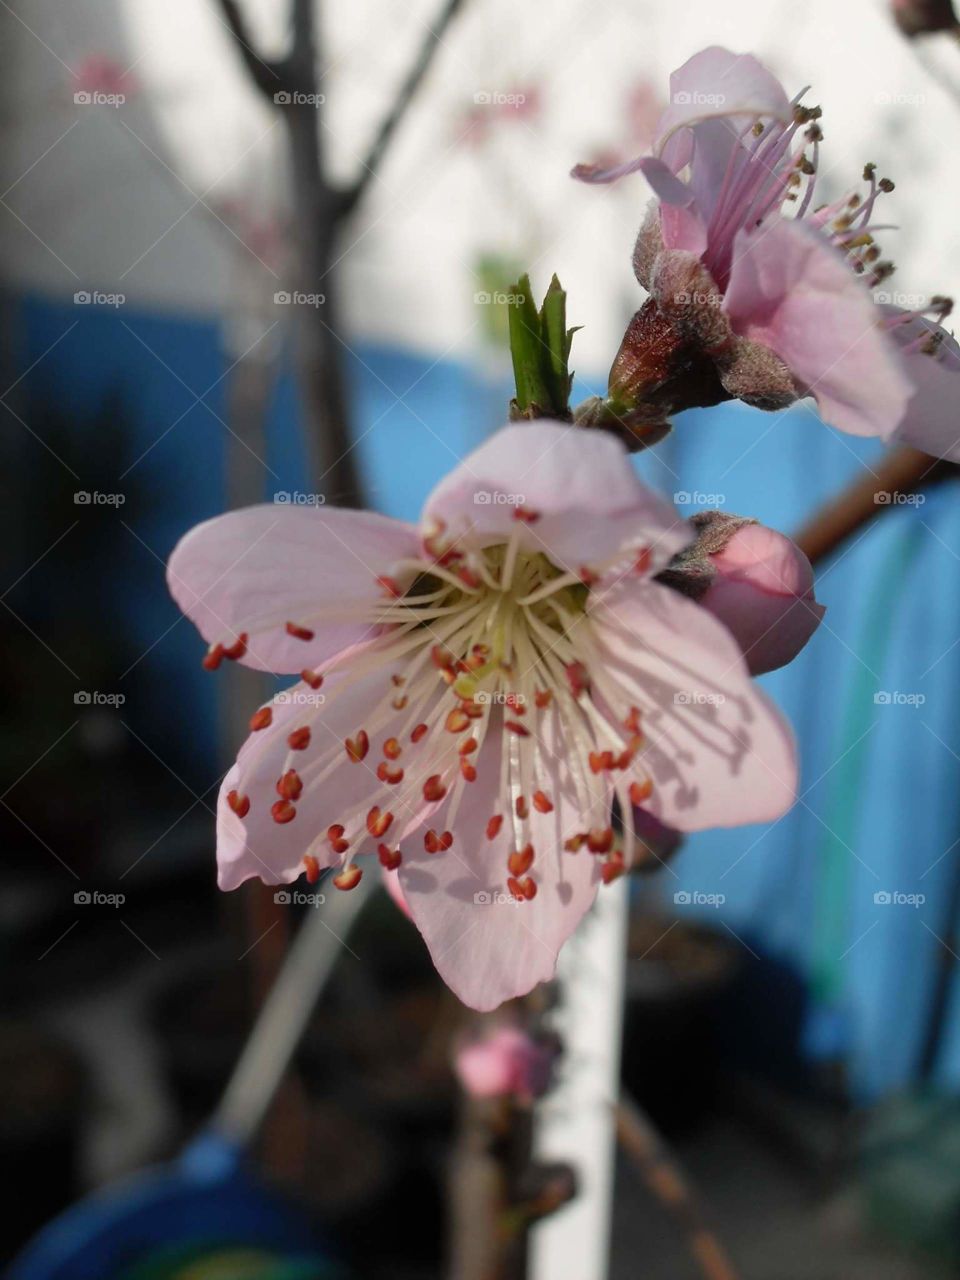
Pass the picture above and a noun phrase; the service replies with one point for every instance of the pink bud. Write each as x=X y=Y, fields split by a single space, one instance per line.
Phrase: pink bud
x=505 y=1062
x=762 y=590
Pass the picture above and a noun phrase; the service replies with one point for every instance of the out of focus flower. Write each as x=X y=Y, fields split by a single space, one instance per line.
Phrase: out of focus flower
x=750 y=303
x=756 y=581
x=505 y=1062
x=924 y=17
x=99 y=73
x=475 y=693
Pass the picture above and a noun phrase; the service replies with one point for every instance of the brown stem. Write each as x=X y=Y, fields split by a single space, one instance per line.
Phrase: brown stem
x=665 y=1179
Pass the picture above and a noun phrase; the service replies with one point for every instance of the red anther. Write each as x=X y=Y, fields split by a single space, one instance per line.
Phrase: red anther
x=600 y=839
x=468 y=746
x=480 y=650
x=298 y=632
x=433 y=789
x=261 y=719
x=613 y=868
x=473 y=709
x=468 y=770
x=521 y=806
x=542 y=802
x=357 y=747
x=597 y=761
x=643 y=561
x=313 y=678
x=446 y=840
x=529 y=886
x=578 y=678
x=520 y=861
x=283 y=811
x=515 y=702
x=335 y=831
x=519 y=729
x=494 y=825
x=522 y=889
x=418 y=732
x=632 y=722
x=390 y=586
x=390 y=859
x=457 y=720
x=442 y=658
x=299 y=740
x=574 y=844
x=399 y=703
x=238 y=803
x=378 y=824
x=349 y=877
x=289 y=785
x=587 y=576
x=335 y=836
x=312 y=868
x=467 y=576
x=526 y=515
x=213 y=657
x=392 y=749
x=434 y=843
x=388 y=775
x=641 y=791
x=398 y=679
x=542 y=698
x=237 y=650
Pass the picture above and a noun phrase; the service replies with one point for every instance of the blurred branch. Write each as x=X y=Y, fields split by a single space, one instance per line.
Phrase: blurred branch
x=268 y=76
x=902 y=470
x=369 y=167
x=665 y=1179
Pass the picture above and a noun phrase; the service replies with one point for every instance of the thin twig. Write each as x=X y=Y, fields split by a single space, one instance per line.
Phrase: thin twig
x=665 y=1179
x=268 y=76
x=368 y=170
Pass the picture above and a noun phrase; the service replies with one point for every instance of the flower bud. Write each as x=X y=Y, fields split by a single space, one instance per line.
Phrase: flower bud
x=505 y=1062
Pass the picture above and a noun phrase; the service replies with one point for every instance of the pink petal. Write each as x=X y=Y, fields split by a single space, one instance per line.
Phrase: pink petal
x=486 y=947
x=792 y=292
x=257 y=569
x=720 y=753
x=582 y=500
x=931 y=420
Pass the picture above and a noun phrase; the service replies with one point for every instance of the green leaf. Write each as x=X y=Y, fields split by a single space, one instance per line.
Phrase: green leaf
x=540 y=347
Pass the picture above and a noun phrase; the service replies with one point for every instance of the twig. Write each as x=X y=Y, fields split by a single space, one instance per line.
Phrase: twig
x=268 y=76
x=408 y=89
x=665 y=1179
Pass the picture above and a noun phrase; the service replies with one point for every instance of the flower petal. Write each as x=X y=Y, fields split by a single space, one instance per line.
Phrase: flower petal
x=255 y=570
x=791 y=291
x=719 y=752
x=581 y=499
x=931 y=420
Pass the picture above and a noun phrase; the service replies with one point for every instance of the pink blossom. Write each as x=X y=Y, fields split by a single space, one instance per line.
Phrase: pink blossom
x=783 y=305
x=99 y=73
x=475 y=693
x=506 y=1062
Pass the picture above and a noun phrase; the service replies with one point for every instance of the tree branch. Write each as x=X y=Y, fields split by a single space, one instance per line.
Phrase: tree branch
x=267 y=76
x=434 y=37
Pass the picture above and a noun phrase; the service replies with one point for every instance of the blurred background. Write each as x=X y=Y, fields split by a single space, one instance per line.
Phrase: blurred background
x=791 y=1022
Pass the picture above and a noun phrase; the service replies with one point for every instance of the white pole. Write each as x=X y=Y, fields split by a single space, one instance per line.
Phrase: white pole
x=576 y=1121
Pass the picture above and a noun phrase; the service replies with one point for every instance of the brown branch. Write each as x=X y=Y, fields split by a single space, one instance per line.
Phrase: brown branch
x=434 y=38
x=665 y=1179
x=269 y=77
x=903 y=470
